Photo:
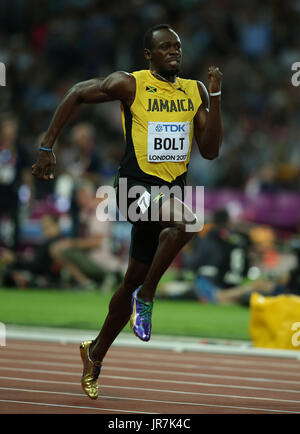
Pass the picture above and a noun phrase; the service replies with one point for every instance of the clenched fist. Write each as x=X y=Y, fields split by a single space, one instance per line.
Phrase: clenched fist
x=215 y=77
x=44 y=167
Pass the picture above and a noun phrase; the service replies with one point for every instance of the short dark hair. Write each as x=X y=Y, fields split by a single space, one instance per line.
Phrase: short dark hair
x=149 y=34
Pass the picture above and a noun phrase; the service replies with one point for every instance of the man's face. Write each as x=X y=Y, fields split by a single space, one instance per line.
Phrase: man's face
x=165 y=54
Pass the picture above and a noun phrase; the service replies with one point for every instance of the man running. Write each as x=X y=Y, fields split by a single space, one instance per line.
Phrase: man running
x=161 y=114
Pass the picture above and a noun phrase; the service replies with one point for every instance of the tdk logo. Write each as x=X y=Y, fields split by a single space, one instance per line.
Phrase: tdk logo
x=169 y=128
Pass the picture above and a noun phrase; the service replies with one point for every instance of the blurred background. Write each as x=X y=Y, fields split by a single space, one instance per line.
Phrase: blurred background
x=252 y=191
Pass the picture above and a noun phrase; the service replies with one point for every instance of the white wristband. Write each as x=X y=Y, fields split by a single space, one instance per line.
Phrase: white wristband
x=215 y=93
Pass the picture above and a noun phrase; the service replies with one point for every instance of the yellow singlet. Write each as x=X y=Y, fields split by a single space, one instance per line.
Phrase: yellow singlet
x=158 y=128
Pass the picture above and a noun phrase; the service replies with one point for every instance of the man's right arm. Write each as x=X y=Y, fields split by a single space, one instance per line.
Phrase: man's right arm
x=117 y=86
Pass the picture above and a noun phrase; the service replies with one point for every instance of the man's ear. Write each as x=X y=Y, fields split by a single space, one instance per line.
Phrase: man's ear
x=147 y=54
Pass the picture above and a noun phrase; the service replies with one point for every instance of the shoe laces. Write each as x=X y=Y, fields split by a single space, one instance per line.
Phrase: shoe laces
x=146 y=311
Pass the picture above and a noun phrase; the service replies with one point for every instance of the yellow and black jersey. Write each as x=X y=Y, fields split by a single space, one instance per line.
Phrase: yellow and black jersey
x=159 y=129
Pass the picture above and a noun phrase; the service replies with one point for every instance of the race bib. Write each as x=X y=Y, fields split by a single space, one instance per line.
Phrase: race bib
x=168 y=141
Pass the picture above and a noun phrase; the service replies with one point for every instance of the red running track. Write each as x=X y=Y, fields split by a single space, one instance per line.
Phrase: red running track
x=42 y=377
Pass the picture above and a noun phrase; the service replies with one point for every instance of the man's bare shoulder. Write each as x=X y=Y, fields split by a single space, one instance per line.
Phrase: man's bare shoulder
x=120 y=84
x=120 y=77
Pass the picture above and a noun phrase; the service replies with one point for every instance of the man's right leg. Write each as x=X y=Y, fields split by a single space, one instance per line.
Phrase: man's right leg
x=93 y=352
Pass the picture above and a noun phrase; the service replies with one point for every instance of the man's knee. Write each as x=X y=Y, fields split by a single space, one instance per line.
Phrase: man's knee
x=178 y=231
x=174 y=213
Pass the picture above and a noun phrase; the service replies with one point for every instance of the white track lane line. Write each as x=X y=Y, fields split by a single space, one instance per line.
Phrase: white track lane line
x=200 y=357
x=72 y=406
x=153 y=371
x=227 y=377
x=161 y=364
x=115 y=359
x=215 y=395
x=225 y=386
x=192 y=404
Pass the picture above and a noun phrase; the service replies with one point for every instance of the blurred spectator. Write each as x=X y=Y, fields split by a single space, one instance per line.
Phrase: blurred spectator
x=231 y=262
x=219 y=258
x=77 y=162
x=288 y=277
x=267 y=259
x=14 y=171
x=255 y=33
x=263 y=181
x=277 y=275
x=81 y=159
x=39 y=270
x=213 y=294
x=292 y=283
x=89 y=258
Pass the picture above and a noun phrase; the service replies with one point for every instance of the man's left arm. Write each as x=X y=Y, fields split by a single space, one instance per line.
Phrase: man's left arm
x=208 y=128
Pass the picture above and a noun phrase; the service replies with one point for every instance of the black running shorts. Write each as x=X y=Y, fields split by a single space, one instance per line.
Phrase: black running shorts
x=142 y=210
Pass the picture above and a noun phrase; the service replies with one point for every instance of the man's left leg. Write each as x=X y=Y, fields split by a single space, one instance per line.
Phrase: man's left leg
x=172 y=239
